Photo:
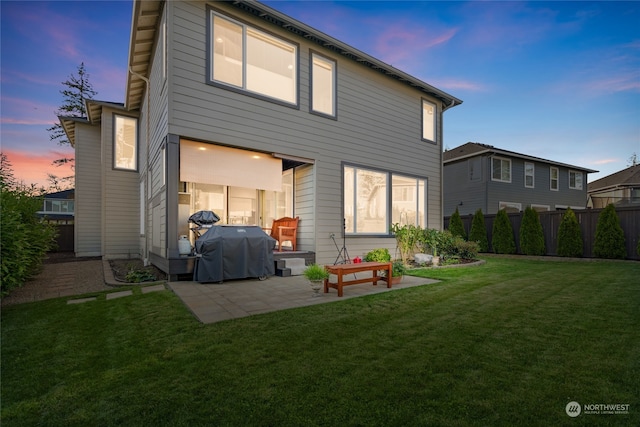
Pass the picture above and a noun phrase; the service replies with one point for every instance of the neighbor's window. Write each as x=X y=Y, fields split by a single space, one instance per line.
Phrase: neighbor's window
x=370 y=196
x=428 y=120
x=554 y=179
x=323 y=85
x=529 y=175
x=575 y=180
x=251 y=60
x=125 y=150
x=500 y=169
x=58 y=206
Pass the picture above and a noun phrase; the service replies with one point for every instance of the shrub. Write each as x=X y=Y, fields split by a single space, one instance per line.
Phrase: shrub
x=315 y=272
x=569 y=236
x=503 y=241
x=378 y=255
x=406 y=239
x=455 y=225
x=24 y=239
x=531 y=234
x=609 y=240
x=478 y=232
x=461 y=249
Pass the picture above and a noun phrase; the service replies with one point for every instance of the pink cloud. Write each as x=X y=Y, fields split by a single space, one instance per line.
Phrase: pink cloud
x=32 y=168
x=451 y=84
x=402 y=40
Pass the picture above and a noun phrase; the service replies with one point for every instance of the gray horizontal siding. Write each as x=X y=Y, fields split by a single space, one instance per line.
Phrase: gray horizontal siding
x=88 y=195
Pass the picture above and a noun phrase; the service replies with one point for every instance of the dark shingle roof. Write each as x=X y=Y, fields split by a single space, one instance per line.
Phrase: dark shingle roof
x=625 y=177
x=472 y=149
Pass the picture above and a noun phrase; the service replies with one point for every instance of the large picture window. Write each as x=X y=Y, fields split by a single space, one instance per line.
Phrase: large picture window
x=374 y=199
x=249 y=59
x=500 y=169
x=323 y=85
x=428 y=121
x=125 y=143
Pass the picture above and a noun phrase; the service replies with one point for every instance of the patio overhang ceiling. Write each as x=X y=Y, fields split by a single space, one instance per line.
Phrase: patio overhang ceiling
x=145 y=24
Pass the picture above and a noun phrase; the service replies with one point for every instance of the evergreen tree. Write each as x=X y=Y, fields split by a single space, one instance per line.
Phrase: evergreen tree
x=569 y=236
x=478 y=232
x=503 y=241
x=77 y=90
x=609 y=240
x=455 y=225
x=531 y=234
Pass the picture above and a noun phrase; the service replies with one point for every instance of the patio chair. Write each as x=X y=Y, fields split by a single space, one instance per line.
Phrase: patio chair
x=285 y=230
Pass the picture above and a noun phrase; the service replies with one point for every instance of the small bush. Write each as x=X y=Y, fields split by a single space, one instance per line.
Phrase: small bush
x=455 y=225
x=569 y=236
x=378 y=255
x=609 y=240
x=461 y=249
x=478 y=232
x=503 y=241
x=531 y=234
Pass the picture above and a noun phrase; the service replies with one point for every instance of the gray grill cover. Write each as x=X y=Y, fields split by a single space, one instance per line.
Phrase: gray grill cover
x=233 y=252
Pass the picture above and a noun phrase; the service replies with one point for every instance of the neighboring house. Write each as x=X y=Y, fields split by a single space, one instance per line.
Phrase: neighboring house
x=237 y=108
x=58 y=207
x=479 y=176
x=621 y=188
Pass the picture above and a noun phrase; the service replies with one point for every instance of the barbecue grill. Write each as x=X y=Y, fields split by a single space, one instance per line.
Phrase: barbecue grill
x=226 y=252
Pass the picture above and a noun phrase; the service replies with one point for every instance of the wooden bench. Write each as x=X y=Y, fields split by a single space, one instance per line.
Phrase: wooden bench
x=340 y=270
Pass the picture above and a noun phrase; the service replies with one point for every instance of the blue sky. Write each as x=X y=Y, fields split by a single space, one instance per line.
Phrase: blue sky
x=557 y=80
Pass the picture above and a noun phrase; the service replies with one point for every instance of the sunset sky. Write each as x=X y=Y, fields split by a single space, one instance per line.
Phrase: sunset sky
x=557 y=80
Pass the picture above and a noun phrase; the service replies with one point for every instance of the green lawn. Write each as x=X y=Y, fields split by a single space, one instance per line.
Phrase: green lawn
x=507 y=343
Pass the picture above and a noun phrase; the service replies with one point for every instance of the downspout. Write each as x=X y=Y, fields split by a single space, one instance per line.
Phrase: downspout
x=442 y=164
x=146 y=167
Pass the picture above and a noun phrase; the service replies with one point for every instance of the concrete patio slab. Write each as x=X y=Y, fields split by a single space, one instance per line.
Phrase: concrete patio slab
x=214 y=302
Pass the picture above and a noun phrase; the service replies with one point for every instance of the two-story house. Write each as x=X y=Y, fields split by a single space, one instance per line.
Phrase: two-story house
x=237 y=108
x=479 y=176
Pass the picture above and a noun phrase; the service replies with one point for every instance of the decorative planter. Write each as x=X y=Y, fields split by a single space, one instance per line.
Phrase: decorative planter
x=316 y=285
x=394 y=279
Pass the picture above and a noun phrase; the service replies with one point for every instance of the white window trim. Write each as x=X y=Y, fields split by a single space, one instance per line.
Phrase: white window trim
x=533 y=175
x=581 y=179
x=502 y=205
x=551 y=168
x=510 y=169
x=545 y=207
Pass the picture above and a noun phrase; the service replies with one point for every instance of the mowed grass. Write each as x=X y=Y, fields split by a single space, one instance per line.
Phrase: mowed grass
x=507 y=343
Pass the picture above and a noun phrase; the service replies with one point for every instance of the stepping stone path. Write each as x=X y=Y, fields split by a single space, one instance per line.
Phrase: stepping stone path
x=114 y=295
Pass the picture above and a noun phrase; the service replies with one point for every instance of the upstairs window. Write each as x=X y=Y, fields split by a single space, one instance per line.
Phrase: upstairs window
x=529 y=175
x=125 y=143
x=554 y=185
x=248 y=59
x=323 y=85
x=428 y=121
x=500 y=169
x=575 y=180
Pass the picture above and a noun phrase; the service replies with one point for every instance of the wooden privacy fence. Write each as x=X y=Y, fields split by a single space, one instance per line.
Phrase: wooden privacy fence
x=550 y=220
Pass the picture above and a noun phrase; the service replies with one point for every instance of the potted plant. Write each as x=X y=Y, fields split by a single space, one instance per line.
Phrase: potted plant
x=398 y=271
x=316 y=274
